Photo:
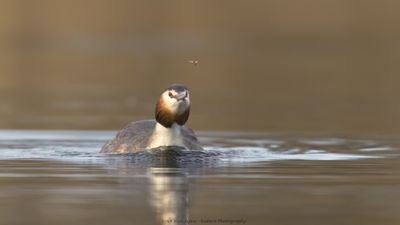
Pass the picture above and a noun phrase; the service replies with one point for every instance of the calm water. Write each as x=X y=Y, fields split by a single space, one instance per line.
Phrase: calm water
x=59 y=177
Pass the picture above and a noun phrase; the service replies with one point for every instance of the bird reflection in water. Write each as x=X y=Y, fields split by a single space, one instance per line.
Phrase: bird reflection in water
x=170 y=183
x=170 y=195
x=168 y=170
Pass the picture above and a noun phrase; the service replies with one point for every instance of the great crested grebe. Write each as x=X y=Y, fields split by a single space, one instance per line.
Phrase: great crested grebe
x=172 y=112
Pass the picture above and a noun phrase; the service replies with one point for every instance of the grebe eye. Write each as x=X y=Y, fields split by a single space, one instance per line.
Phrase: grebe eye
x=170 y=94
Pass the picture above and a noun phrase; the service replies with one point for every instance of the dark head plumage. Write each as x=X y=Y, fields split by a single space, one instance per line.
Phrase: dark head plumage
x=176 y=87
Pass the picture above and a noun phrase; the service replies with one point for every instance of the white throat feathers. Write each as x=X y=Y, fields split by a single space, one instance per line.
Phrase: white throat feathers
x=166 y=136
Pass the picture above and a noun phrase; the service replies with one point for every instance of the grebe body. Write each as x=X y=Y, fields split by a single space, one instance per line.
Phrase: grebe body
x=172 y=112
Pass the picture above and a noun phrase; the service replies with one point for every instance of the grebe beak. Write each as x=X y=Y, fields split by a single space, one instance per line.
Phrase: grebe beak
x=181 y=96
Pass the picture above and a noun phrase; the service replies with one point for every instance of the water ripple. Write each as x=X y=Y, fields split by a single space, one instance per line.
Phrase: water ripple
x=84 y=147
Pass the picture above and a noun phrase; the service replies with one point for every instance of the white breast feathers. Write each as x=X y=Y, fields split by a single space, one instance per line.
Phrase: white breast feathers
x=163 y=136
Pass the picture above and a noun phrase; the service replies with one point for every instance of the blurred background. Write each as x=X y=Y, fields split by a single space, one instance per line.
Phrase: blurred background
x=264 y=65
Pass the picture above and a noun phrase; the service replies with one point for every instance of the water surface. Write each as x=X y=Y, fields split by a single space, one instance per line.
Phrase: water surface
x=59 y=177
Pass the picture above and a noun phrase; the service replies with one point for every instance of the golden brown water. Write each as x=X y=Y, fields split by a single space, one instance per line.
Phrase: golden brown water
x=59 y=177
x=273 y=65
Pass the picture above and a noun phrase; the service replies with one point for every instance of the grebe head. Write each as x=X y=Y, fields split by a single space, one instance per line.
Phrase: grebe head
x=173 y=106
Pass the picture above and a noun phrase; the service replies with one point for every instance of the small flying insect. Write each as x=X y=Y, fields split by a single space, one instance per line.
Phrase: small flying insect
x=194 y=62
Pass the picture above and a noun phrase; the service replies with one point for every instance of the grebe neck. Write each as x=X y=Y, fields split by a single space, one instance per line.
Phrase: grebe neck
x=166 y=136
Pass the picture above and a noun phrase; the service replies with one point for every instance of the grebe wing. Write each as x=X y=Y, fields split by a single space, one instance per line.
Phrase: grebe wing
x=190 y=139
x=189 y=133
x=131 y=138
